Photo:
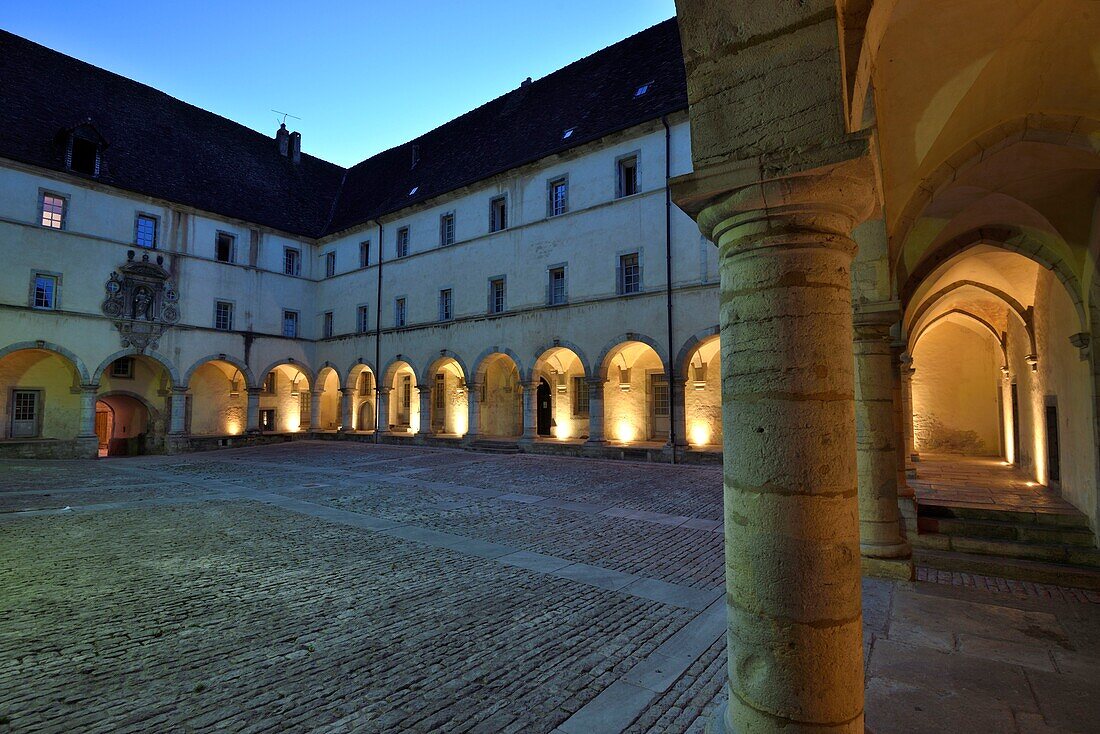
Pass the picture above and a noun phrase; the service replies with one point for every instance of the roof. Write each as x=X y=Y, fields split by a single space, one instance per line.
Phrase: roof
x=164 y=148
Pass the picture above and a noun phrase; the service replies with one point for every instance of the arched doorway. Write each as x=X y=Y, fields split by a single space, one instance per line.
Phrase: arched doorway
x=124 y=426
x=563 y=371
x=501 y=397
x=543 y=413
x=448 y=402
x=361 y=381
x=137 y=389
x=404 y=398
x=636 y=394
x=365 y=417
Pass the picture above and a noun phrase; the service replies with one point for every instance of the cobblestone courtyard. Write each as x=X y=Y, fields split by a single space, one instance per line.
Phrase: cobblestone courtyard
x=345 y=587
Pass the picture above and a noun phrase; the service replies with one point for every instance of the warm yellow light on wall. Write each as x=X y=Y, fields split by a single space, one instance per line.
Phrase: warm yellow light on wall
x=625 y=432
x=233 y=427
x=293 y=424
x=562 y=431
x=699 y=434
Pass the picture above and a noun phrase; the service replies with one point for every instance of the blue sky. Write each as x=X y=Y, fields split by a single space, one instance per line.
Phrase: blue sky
x=363 y=76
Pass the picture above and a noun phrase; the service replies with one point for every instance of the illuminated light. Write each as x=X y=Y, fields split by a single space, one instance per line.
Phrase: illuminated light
x=624 y=431
x=1032 y=484
x=699 y=434
x=562 y=431
x=294 y=424
x=233 y=427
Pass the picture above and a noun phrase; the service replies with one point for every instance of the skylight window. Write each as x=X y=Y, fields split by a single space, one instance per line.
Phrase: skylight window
x=413 y=190
x=642 y=89
x=568 y=133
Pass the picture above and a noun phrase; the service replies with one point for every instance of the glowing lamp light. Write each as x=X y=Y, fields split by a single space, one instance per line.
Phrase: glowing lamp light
x=562 y=431
x=699 y=434
x=624 y=431
x=233 y=427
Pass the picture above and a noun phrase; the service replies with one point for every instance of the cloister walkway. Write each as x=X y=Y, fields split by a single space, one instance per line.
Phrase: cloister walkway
x=983 y=482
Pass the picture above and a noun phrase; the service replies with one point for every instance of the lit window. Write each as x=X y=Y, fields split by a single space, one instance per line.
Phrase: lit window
x=326 y=325
x=556 y=286
x=559 y=196
x=53 y=211
x=364 y=253
x=568 y=133
x=330 y=264
x=399 y=312
x=447 y=230
x=628 y=176
x=45 y=292
x=642 y=89
x=290 y=324
x=403 y=242
x=445 y=305
x=224 y=245
x=145 y=231
x=496 y=295
x=498 y=214
x=223 y=316
x=292 y=261
x=630 y=274
x=361 y=320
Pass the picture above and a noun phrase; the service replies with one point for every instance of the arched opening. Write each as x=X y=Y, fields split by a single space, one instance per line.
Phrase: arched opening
x=361 y=381
x=636 y=395
x=404 y=402
x=286 y=401
x=449 y=402
x=563 y=372
x=137 y=388
x=124 y=426
x=543 y=410
x=501 y=397
x=217 y=400
x=39 y=395
x=702 y=378
x=328 y=393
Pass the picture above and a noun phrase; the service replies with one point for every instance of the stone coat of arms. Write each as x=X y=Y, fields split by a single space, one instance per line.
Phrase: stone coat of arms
x=142 y=301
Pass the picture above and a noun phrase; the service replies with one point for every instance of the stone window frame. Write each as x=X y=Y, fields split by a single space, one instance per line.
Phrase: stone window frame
x=35 y=274
x=328 y=324
x=637 y=156
x=550 y=184
x=503 y=199
x=297 y=323
x=138 y=216
x=444 y=240
x=232 y=245
x=620 y=276
x=364 y=253
x=287 y=249
x=400 y=312
x=232 y=313
x=123 y=375
x=579 y=385
x=564 y=267
x=362 y=318
x=491 y=301
x=329 y=259
x=65 y=202
x=450 y=315
x=406 y=243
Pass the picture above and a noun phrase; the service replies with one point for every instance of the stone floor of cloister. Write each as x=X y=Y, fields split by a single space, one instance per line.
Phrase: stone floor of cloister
x=345 y=587
x=983 y=481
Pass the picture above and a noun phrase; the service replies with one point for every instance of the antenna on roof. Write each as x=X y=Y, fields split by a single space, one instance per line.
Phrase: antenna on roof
x=285 y=115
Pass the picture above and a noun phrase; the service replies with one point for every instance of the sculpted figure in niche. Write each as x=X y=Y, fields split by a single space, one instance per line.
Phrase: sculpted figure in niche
x=143 y=304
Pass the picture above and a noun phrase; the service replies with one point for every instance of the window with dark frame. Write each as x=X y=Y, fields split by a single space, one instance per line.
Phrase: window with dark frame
x=123 y=368
x=330 y=264
x=223 y=316
x=447 y=230
x=292 y=261
x=403 y=242
x=224 y=245
x=628 y=176
x=145 y=231
x=84 y=156
x=271 y=383
x=630 y=274
x=364 y=253
x=445 y=304
x=496 y=295
x=498 y=214
x=580 y=397
x=559 y=196
x=556 y=286
x=290 y=324
x=399 y=312
x=45 y=292
x=53 y=211
x=361 y=316
x=326 y=325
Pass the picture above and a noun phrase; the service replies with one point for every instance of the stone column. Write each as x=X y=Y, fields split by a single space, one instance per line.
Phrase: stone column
x=905 y=369
x=595 y=411
x=315 y=409
x=347 y=399
x=87 y=410
x=473 y=410
x=425 y=410
x=530 y=410
x=254 y=409
x=179 y=411
x=907 y=503
x=382 y=424
x=791 y=509
x=885 y=552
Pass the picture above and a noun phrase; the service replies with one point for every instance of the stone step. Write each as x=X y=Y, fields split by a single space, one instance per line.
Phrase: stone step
x=1011 y=568
x=1047 y=552
x=494 y=447
x=1050 y=519
x=1022 y=532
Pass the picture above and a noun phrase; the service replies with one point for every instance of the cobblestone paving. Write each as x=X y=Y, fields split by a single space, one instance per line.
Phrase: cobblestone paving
x=339 y=587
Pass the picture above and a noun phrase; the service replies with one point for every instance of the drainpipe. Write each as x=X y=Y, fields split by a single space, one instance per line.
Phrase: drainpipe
x=672 y=377
x=378 y=344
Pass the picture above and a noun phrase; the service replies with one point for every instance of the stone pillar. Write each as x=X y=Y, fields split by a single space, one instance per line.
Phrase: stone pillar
x=87 y=410
x=473 y=409
x=678 y=397
x=382 y=424
x=254 y=409
x=347 y=400
x=315 y=409
x=885 y=552
x=907 y=502
x=595 y=411
x=905 y=369
x=425 y=410
x=791 y=509
x=179 y=411
x=530 y=410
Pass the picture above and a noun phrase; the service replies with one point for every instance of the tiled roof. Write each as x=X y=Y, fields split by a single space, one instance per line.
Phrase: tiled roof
x=168 y=149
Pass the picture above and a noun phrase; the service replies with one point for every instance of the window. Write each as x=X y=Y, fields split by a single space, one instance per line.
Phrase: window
x=25 y=413
x=361 y=320
x=53 y=211
x=559 y=197
x=326 y=325
x=399 y=312
x=292 y=261
x=290 y=324
x=556 y=286
x=223 y=315
x=403 y=242
x=568 y=133
x=364 y=253
x=84 y=156
x=496 y=295
x=445 y=304
x=145 y=231
x=270 y=383
x=330 y=264
x=628 y=176
x=224 y=246
x=630 y=274
x=642 y=89
x=580 y=397
x=123 y=368
x=44 y=291
x=305 y=409
x=446 y=230
x=498 y=214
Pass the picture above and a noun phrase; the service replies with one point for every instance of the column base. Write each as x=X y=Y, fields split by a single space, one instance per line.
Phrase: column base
x=718 y=724
x=897 y=569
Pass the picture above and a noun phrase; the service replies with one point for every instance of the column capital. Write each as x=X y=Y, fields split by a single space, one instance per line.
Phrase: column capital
x=873 y=321
x=384 y=390
x=91 y=387
x=424 y=389
x=348 y=390
x=257 y=391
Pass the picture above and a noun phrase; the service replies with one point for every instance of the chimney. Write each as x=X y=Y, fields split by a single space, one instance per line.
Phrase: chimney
x=525 y=82
x=282 y=139
x=296 y=147
x=415 y=156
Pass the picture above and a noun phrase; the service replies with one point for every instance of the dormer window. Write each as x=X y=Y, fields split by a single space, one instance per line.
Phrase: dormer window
x=83 y=149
